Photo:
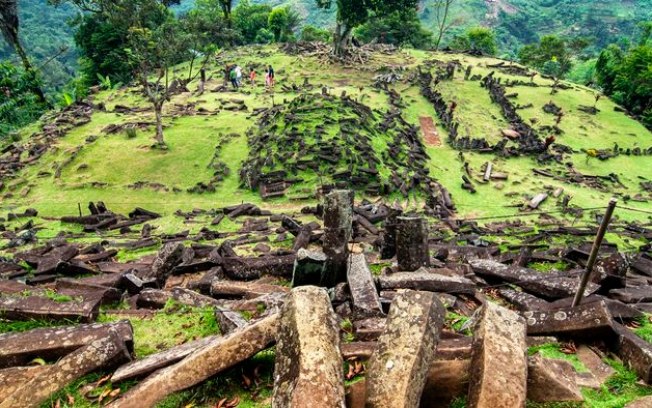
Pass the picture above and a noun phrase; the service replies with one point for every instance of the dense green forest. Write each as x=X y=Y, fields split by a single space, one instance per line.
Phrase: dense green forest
x=48 y=39
x=46 y=30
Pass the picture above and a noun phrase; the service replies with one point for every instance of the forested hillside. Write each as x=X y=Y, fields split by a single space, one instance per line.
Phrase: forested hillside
x=46 y=31
x=48 y=39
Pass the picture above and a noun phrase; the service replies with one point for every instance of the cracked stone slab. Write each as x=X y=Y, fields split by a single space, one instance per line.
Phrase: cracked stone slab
x=499 y=360
x=308 y=369
x=586 y=320
x=366 y=301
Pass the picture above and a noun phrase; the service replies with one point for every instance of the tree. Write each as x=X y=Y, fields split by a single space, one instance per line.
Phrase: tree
x=442 y=19
x=152 y=52
x=627 y=78
x=552 y=53
x=311 y=33
x=9 y=25
x=476 y=39
x=207 y=26
x=227 y=6
x=153 y=44
x=398 y=28
x=249 y=18
x=19 y=105
x=283 y=21
x=353 y=13
x=277 y=22
x=102 y=34
x=607 y=68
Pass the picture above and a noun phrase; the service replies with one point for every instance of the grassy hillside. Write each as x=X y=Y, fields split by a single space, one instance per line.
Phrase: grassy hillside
x=208 y=144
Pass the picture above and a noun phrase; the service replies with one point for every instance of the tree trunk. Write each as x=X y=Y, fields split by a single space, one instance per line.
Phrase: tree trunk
x=158 y=109
x=442 y=27
x=30 y=70
x=342 y=35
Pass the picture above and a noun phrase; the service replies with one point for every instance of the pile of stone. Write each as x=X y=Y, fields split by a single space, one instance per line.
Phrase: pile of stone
x=403 y=343
x=338 y=149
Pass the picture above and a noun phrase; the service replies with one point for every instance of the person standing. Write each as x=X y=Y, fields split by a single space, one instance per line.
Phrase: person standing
x=270 y=71
x=238 y=74
x=252 y=77
x=234 y=78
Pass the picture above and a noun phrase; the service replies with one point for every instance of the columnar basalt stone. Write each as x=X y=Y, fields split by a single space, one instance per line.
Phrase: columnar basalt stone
x=308 y=369
x=412 y=243
x=388 y=249
x=103 y=353
x=499 y=360
x=142 y=367
x=338 y=230
x=551 y=381
x=397 y=371
x=423 y=279
x=222 y=353
x=13 y=378
x=168 y=257
x=309 y=267
x=634 y=352
x=366 y=301
x=587 y=320
x=56 y=342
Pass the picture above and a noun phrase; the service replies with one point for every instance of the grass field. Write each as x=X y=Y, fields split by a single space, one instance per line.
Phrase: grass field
x=107 y=168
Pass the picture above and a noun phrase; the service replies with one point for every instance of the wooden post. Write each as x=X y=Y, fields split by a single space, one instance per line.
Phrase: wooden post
x=594 y=251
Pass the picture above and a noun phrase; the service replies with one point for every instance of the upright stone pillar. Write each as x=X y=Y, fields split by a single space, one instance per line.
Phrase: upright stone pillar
x=338 y=224
x=388 y=249
x=412 y=243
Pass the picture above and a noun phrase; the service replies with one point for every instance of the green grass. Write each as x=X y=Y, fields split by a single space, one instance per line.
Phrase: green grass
x=119 y=161
x=52 y=295
x=645 y=331
x=175 y=324
x=619 y=390
x=456 y=322
x=377 y=268
x=553 y=350
x=548 y=266
x=10 y=326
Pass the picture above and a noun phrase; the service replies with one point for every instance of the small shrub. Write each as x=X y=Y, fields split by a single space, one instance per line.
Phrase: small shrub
x=131 y=132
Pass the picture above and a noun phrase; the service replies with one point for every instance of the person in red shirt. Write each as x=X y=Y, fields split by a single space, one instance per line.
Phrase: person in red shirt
x=252 y=77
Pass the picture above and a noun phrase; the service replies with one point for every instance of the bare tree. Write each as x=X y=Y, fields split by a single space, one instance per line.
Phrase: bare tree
x=442 y=16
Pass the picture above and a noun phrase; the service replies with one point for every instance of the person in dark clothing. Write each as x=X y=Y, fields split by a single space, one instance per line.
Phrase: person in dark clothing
x=270 y=73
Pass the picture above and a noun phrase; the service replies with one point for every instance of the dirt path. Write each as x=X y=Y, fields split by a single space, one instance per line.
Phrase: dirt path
x=430 y=134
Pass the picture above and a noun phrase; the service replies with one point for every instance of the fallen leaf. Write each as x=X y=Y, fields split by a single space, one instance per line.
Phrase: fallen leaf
x=246 y=380
x=71 y=399
x=103 y=395
x=103 y=380
x=233 y=403
x=38 y=361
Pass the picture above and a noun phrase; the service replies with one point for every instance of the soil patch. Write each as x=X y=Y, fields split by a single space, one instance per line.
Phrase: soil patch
x=430 y=134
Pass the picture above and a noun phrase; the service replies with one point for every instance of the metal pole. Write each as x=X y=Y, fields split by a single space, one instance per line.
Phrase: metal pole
x=594 y=251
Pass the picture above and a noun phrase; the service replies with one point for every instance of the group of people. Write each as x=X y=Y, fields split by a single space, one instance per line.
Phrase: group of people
x=234 y=75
